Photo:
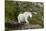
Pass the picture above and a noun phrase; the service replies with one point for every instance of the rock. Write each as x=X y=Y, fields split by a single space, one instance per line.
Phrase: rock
x=20 y=26
x=32 y=27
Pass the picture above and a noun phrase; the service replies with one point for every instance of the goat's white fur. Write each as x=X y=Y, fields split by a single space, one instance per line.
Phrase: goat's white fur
x=24 y=16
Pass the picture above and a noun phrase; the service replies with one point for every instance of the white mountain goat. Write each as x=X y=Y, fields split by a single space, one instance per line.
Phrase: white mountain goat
x=24 y=16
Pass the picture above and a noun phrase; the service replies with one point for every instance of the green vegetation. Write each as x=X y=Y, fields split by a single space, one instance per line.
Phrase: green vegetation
x=13 y=8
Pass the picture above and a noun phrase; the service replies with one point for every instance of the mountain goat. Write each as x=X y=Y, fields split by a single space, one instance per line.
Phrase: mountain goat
x=24 y=16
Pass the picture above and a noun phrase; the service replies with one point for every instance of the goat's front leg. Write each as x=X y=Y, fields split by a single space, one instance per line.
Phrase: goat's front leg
x=27 y=22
